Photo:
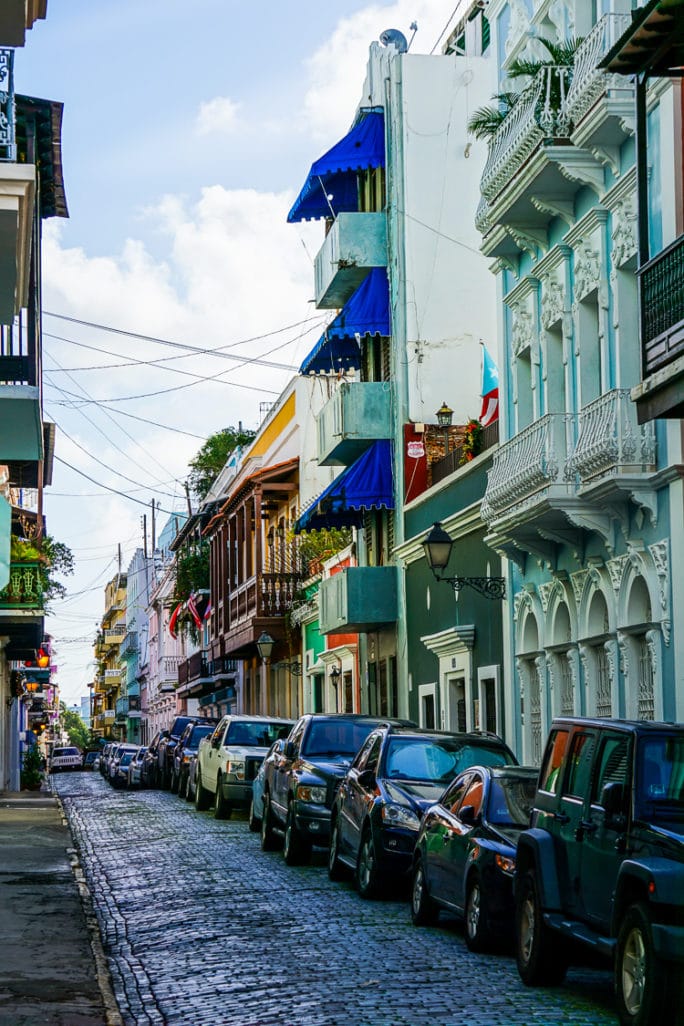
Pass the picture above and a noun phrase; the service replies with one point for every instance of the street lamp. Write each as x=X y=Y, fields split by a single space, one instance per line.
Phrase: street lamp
x=335 y=675
x=264 y=646
x=444 y=416
x=438 y=546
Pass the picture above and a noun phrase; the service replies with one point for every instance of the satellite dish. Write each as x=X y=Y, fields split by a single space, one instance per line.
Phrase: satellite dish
x=395 y=38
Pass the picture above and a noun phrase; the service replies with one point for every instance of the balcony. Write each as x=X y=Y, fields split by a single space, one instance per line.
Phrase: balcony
x=358 y=599
x=129 y=644
x=16 y=17
x=601 y=105
x=109 y=715
x=454 y=460
x=121 y=709
x=355 y=243
x=258 y=604
x=21 y=428
x=115 y=635
x=357 y=414
x=611 y=445
x=25 y=588
x=112 y=677
x=17 y=184
x=661 y=300
x=532 y=171
x=168 y=673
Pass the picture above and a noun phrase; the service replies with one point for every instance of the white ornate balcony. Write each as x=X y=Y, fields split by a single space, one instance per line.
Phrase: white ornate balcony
x=529 y=470
x=601 y=105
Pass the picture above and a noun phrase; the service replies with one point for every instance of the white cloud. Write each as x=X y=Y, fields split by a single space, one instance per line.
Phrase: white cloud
x=218 y=116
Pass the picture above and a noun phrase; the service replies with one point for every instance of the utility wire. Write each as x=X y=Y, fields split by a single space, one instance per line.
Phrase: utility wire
x=114 y=491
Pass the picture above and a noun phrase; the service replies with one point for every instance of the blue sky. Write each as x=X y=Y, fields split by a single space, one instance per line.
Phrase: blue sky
x=188 y=130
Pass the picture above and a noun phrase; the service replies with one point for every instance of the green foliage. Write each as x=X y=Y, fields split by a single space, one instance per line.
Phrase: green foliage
x=76 y=729
x=53 y=558
x=192 y=570
x=211 y=458
x=319 y=545
x=31 y=769
x=485 y=121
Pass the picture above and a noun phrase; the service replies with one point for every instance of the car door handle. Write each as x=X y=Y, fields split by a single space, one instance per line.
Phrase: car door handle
x=561 y=817
x=584 y=828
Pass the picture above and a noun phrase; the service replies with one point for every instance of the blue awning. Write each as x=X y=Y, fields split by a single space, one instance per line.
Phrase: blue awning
x=331 y=183
x=367 y=484
x=366 y=313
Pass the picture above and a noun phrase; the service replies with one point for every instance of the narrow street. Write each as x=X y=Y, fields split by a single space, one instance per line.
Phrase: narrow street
x=201 y=927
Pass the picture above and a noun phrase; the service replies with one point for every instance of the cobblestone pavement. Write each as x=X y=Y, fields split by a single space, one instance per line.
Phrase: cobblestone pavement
x=202 y=928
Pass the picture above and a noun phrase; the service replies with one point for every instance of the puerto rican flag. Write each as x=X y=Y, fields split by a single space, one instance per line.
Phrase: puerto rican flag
x=490 y=389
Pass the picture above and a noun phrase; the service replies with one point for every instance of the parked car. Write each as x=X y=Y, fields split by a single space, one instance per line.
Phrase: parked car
x=256 y=804
x=301 y=782
x=190 y=784
x=464 y=857
x=602 y=864
x=397 y=774
x=166 y=748
x=135 y=767
x=229 y=759
x=183 y=752
x=149 y=770
x=90 y=759
x=65 y=759
x=118 y=767
x=104 y=758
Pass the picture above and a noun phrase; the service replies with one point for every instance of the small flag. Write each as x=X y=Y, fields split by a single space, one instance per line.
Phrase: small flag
x=490 y=389
x=207 y=611
x=174 y=620
x=192 y=609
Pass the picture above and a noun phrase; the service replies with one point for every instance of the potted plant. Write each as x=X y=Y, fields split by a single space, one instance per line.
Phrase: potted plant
x=470 y=445
x=31 y=770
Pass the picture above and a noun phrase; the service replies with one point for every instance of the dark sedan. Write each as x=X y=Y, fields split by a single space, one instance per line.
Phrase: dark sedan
x=184 y=752
x=465 y=853
x=398 y=773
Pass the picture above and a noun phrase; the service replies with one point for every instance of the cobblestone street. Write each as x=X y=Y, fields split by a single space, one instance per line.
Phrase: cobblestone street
x=202 y=928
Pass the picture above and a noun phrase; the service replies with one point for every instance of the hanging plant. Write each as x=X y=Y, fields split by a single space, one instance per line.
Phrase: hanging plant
x=471 y=440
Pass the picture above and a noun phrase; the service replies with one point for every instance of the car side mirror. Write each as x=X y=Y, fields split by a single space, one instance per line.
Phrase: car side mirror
x=290 y=750
x=216 y=742
x=613 y=802
x=366 y=778
x=468 y=815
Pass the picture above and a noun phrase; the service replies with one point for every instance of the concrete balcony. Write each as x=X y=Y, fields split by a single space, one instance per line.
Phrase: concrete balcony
x=112 y=677
x=600 y=105
x=108 y=716
x=129 y=644
x=360 y=598
x=116 y=634
x=358 y=414
x=168 y=673
x=355 y=243
x=17 y=17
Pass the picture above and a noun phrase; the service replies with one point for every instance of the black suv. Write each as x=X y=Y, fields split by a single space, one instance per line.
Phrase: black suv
x=603 y=862
x=167 y=746
x=300 y=782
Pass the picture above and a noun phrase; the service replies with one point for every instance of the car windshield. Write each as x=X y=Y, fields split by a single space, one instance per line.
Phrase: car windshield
x=438 y=760
x=57 y=752
x=660 y=778
x=126 y=758
x=196 y=735
x=336 y=737
x=255 y=733
x=511 y=800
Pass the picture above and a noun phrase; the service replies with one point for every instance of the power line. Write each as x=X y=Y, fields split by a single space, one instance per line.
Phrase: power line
x=114 y=491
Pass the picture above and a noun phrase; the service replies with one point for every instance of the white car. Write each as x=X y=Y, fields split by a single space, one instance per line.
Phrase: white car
x=65 y=759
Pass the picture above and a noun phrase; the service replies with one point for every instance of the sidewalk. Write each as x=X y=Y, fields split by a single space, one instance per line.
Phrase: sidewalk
x=52 y=968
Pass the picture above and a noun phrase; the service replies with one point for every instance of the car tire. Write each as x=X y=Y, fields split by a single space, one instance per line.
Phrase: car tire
x=202 y=796
x=424 y=912
x=222 y=809
x=253 y=822
x=367 y=870
x=269 y=838
x=189 y=793
x=539 y=952
x=174 y=784
x=641 y=984
x=296 y=848
x=478 y=935
x=336 y=868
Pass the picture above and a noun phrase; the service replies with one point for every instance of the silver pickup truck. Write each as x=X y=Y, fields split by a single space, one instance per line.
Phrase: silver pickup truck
x=229 y=759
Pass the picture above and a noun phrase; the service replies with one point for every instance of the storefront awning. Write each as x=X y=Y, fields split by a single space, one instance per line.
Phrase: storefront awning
x=366 y=484
x=331 y=185
x=366 y=313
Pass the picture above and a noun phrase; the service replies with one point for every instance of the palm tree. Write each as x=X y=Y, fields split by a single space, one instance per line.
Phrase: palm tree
x=485 y=121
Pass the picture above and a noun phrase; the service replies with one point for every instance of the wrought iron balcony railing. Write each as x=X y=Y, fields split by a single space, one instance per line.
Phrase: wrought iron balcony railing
x=661 y=296
x=610 y=440
x=528 y=465
x=8 y=147
x=25 y=588
x=589 y=81
x=539 y=113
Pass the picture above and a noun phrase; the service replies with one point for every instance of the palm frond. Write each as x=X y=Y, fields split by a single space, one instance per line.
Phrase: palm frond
x=484 y=122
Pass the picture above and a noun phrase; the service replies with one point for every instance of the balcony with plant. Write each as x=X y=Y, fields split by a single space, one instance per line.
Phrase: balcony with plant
x=34 y=566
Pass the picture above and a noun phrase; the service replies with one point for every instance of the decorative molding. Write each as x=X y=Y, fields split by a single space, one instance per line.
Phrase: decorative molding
x=623 y=232
x=451 y=641
x=556 y=206
x=616 y=569
x=587 y=269
x=522 y=332
x=579 y=579
x=623 y=645
x=608 y=155
x=660 y=554
x=529 y=238
x=579 y=166
x=552 y=302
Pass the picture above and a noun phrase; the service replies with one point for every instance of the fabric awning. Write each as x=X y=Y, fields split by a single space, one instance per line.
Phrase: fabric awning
x=366 y=484
x=331 y=183
x=366 y=313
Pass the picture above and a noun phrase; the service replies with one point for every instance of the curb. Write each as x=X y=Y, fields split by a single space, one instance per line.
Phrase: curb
x=104 y=980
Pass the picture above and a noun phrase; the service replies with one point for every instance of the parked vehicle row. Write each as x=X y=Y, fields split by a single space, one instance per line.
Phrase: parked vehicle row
x=587 y=852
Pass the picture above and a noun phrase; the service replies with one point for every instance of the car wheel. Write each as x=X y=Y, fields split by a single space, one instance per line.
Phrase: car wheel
x=269 y=839
x=478 y=936
x=336 y=869
x=174 y=784
x=189 y=793
x=221 y=806
x=539 y=952
x=424 y=912
x=202 y=796
x=367 y=875
x=296 y=848
x=640 y=978
x=253 y=822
